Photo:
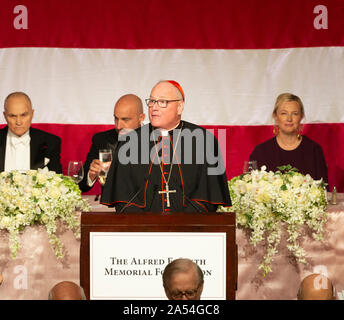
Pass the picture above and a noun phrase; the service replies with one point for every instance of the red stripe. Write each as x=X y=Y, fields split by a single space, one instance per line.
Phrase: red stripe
x=76 y=141
x=194 y=24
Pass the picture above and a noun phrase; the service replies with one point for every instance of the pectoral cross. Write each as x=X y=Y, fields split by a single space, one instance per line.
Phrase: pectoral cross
x=167 y=192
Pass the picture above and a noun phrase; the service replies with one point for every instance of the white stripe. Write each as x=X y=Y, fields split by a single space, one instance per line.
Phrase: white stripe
x=222 y=87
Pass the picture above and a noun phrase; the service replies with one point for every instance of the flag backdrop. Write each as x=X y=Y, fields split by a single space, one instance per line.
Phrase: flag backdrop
x=232 y=58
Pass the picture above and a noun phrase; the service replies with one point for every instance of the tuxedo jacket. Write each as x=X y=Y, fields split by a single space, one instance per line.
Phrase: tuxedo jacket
x=42 y=145
x=101 y=140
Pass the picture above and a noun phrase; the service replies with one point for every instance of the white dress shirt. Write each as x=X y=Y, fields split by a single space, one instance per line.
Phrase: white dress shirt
x=17 y=155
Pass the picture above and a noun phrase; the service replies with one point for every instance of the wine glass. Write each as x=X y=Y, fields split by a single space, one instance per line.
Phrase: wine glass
x=76 y=171
x=105 y=156
x=249 y=166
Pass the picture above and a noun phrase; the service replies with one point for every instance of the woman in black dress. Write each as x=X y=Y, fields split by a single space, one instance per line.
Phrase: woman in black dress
x=288 y=146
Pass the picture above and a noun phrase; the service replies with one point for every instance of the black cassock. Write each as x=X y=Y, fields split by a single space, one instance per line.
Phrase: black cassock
x=179 y=171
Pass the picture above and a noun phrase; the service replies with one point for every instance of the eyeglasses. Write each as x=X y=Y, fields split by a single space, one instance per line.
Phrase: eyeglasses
x=189 y=294
x=161 y=103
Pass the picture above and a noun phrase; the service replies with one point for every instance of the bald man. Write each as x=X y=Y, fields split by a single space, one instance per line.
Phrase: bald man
x=316 y=287
x=183 y=280
x=128 y=115
x=168 y=165
x=66 y=290
x=22 y=147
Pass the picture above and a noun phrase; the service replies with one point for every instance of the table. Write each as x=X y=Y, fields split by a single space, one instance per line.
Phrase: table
x=283 y=283
x=36 y=269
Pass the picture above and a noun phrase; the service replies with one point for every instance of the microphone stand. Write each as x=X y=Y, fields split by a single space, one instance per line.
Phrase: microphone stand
x=135 y=195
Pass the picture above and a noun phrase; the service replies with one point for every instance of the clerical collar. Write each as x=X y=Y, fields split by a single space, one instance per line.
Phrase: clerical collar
x=165 y=133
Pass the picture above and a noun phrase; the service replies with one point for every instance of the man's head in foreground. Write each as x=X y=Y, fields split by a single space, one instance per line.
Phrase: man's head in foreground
x=183 y=280
x=67 y=290
x=316 y=287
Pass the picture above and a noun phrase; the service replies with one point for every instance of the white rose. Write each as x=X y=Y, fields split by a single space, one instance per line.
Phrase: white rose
x=5 y=222
x=18 y=178
x=43 y=204
x=57 y=179
x=36 y=192
x=286 y=196
x=242 y=219
x=315 y=192
x=297 y=181
x=63 y=189
x=278 y=182
x=54 y=192
x=41 y=178
x=44 y=218
x=5 y=189
x=264 y=185
x=263 y=197
x=20 y=218
x=31 y=173
x=3 y=174
x=249 y=187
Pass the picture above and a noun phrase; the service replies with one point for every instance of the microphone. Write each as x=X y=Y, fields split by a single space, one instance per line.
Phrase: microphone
x=155 y=189
x=135 y=195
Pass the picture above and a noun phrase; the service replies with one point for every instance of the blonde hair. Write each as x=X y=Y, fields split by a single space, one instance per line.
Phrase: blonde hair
x=284 y=97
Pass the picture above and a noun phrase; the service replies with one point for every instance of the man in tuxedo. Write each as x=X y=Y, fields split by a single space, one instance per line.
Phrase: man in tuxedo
x=183 y=280
x=168 y=165
x=128 y=115
x=22 y=147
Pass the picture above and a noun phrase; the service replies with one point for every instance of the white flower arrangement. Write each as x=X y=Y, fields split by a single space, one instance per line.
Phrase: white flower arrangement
x=39 y=196
x=266 y=202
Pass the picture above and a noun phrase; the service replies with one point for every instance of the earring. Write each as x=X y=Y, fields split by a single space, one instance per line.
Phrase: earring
x=275 y=130
x=299 y=133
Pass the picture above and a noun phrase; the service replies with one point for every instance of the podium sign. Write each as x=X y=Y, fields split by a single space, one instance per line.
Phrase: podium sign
x=127 y=265
x=122 y=256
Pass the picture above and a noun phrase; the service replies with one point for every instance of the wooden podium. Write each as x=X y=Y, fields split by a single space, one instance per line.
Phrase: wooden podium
x=157 y=222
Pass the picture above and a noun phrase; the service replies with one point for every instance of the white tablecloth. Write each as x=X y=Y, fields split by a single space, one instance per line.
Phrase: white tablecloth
x=284 y=281
x=36 y=269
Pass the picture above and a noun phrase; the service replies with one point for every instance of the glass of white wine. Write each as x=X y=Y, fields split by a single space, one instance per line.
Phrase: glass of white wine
x=249 y=166
x=76 y=170
x=105 y=156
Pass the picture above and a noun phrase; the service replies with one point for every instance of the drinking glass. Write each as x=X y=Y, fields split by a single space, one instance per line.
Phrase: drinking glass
x=76 y=170
x=249 y=166
x=105 y=156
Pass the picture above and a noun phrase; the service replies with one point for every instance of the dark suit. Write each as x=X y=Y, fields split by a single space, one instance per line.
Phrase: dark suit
x=42 y=145
x=101 y=140
x=199 y=184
